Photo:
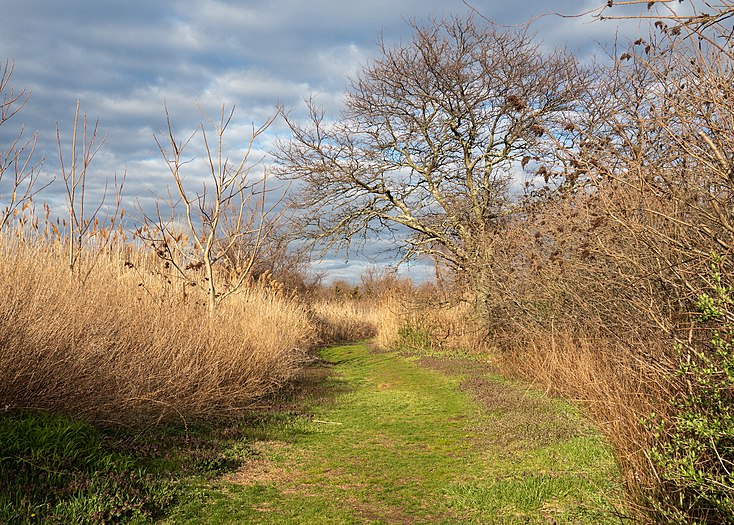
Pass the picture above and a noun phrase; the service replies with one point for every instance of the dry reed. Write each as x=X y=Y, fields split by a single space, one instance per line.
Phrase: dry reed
x=617 y=386
x=344 y=320
x=123 y=346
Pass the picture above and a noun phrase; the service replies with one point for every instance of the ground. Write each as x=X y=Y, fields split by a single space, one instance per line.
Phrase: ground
x=393 y=438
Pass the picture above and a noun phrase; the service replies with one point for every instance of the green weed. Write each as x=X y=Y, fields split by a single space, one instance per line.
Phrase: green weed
x=56 y=470
x=693 y=453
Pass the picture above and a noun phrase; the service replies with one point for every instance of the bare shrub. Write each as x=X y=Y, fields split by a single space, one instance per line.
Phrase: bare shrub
x=615 y=289
x=19 y=169
x=198 y=229
x=84 y=226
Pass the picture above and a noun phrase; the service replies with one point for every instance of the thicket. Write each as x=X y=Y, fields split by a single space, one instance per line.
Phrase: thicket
x=616 y=285
x=609 y=279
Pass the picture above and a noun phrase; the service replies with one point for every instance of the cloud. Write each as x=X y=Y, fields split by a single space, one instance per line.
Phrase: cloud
x=125 y=60
x=339 y=62
x=254 y=87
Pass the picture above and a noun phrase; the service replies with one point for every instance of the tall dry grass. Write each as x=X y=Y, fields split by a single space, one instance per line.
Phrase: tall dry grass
x=341 y=320
x=126 y=346
x=617 y=387
x=427 y=323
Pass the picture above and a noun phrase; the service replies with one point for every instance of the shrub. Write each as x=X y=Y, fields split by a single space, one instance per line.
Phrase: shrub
x=693 y=455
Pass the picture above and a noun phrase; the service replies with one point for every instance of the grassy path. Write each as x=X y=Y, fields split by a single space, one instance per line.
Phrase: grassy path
x=385 y=440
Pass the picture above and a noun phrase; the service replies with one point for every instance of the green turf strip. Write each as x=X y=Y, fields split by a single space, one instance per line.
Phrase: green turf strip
x=388 y=441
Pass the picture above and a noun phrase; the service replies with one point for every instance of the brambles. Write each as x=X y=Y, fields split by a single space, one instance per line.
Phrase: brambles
x=605 y=279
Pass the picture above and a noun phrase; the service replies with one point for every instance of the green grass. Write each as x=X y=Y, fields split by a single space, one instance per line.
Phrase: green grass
x=55 y=470
x=388 y=441
x=365 y=438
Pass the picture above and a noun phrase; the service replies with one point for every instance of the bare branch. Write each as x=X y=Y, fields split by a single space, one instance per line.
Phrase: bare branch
x=19 y=168
x=432 y=137
x=225 y=193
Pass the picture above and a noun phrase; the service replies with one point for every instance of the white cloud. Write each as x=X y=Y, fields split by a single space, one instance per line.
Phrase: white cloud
x=253 y=86
x=342 y=61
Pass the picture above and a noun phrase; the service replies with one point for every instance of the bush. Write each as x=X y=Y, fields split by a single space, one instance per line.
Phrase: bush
x=694 y=452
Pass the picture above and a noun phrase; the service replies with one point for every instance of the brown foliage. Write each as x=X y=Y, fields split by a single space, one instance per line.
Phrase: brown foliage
x=589 y=286
x=597 y=283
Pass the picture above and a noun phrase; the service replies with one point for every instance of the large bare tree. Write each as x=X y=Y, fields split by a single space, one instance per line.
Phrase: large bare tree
x=434 y=135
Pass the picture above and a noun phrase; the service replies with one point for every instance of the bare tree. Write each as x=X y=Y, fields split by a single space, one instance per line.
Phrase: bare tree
x=634 y=262
x=432 y=138
x=198 y=230
x=85 y=226
x=19 y=170
x=703 y=18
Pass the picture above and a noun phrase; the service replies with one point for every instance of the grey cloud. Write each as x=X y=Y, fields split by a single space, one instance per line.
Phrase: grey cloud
x=124 y=59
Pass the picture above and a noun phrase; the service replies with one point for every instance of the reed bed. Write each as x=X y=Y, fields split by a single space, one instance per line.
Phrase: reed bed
x=343 y=320
x=119 y=344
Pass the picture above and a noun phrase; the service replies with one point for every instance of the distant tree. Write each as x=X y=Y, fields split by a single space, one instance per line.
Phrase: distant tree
x=434 y=134
x=341 y=289
x=271 y=255
x=379 y=283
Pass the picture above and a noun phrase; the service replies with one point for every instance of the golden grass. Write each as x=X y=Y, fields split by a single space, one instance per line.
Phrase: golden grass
x=617 y=386
x=426 y=324
x=124 y=346
x=344 y=320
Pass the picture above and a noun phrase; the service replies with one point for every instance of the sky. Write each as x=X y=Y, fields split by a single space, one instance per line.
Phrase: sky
x=126 y=61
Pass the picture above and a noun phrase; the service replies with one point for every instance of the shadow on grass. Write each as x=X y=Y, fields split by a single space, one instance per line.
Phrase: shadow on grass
x=54 y=469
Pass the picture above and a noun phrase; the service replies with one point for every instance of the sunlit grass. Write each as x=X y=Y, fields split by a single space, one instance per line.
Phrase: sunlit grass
x=388 y=441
